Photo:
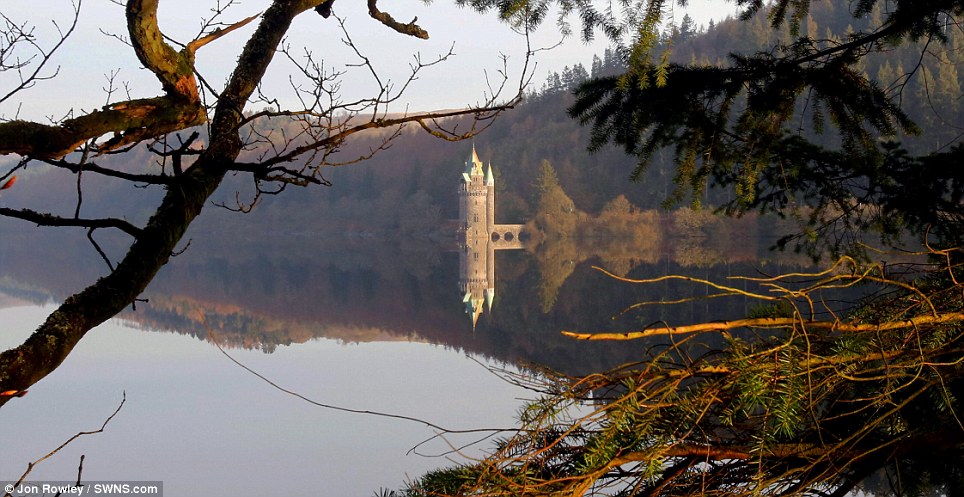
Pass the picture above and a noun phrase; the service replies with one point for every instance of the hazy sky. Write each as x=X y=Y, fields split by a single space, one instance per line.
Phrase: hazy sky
x=477 y=41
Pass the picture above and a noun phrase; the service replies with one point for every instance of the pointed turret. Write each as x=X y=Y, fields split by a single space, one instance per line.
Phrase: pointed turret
x=473 y=307
x=474 y=166
x=480 y=237
x=475 y=157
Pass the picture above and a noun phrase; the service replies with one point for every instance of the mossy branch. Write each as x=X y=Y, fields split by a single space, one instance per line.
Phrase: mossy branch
x=410 y=29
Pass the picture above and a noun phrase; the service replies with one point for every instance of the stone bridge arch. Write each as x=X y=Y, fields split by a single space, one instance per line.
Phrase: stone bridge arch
x=507 y=236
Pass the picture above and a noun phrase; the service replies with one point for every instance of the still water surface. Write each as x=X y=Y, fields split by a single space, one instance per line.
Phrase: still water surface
x=204 y=426
x=380 y=327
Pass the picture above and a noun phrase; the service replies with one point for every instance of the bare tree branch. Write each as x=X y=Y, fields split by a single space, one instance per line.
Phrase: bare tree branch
x=217 y=33
x=103 y=426
x=133 y=120
x=410 y=29
x=17 y=35
x=770 y=323
x=348 y=409
x=44 y=219
x=91 y=167
x=297 y=160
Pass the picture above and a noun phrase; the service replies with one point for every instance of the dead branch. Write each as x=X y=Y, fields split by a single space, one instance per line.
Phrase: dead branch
x=217 y=33
x=772 y=323
x=410 y=29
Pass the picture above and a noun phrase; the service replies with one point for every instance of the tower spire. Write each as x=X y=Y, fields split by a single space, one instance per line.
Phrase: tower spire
x=475 y=157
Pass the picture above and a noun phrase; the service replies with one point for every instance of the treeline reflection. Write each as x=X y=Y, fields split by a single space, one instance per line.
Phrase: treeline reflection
x=265 y=292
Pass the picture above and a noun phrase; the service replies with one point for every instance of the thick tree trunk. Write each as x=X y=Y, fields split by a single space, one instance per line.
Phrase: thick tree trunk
x=55 y=338
x=137 y=120
x=131 y=121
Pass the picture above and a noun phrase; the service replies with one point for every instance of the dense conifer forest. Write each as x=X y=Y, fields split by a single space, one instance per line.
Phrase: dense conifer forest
x=409 y=188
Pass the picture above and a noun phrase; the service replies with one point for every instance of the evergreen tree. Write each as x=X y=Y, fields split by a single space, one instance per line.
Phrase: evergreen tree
x=744 y=125
x=597 y=66
x=557 y=215
x=740 y=126
x=947 y=85
x=687 y=28
x=784 y=402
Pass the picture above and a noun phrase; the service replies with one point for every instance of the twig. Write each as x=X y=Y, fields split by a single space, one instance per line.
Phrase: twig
x=347 y=409
x=32 y=465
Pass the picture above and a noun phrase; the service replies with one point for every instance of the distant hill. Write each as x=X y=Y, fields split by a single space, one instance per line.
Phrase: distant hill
x=410 y=187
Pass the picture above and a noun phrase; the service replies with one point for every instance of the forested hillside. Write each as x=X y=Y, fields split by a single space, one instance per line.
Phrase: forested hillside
x=410 y=188
x=419 y=173
x=930 y=95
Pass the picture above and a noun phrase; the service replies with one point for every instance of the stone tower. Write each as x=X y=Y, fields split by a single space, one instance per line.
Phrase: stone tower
x=480 y=237
x=476 y=198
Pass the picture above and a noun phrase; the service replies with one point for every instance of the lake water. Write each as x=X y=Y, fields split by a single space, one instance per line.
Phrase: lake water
x=204 y=426
x=367 y=325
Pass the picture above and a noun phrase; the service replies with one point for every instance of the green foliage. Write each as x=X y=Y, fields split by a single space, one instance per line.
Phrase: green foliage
x=787 y=411
x=451 y=481
x=691 y=110
x=740 y=125
x=548 y=180
x=804 y=163
x=781 y=309
x=789 y=405
x=557 y=215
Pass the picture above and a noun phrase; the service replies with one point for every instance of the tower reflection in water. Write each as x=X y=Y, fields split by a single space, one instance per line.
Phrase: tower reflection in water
x=479 y=237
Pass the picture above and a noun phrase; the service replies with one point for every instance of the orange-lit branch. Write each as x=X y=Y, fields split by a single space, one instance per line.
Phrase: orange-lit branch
x=770 y=323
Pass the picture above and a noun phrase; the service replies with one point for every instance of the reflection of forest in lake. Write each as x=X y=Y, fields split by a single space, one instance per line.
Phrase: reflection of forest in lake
x=265 y=293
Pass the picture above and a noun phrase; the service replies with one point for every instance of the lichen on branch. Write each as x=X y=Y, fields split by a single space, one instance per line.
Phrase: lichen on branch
x=410 y=29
